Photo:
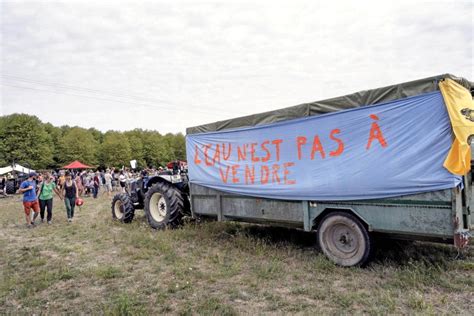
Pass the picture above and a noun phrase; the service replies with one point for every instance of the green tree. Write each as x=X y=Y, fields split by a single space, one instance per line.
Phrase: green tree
x=56 y=135
x=157 y=150
x=98 y=135
x=179 y=146
x=3 y=148
x=168 y=141
x=24 y=140
x=78 y=144
x=135 y=138
x=115 y=150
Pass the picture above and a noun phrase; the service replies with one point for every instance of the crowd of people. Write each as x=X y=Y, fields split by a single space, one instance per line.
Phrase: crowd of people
x=70 y=186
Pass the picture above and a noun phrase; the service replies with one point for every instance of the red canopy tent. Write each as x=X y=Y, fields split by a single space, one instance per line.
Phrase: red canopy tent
x=77 y=165
x=180 y=163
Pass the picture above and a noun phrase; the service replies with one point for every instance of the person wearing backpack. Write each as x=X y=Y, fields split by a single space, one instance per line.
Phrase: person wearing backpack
x=70 y=194
x=46 y=197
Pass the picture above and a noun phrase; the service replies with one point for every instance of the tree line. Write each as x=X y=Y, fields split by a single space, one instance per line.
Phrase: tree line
x=26 y=140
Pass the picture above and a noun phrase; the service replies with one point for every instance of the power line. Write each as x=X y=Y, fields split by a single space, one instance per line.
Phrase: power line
x=103 y=99
x=58 y=85
x=106 y=93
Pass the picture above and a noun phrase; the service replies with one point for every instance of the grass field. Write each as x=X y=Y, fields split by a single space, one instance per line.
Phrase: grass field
x=95 y=265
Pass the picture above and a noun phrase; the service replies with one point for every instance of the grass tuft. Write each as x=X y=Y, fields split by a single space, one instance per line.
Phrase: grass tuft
x=107 y=272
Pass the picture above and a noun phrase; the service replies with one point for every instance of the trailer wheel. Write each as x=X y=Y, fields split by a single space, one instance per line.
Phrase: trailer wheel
x=164 y=206
x=122 y=208
x=344 y=240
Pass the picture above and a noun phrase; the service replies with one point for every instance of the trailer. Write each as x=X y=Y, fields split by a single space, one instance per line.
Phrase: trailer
x=418 y=199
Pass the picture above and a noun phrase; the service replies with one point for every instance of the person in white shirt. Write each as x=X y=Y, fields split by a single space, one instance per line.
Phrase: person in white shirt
x=123 y=181
x=108 y=183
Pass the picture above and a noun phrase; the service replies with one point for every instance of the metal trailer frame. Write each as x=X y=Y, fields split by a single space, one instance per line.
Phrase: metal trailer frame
x=435 y=216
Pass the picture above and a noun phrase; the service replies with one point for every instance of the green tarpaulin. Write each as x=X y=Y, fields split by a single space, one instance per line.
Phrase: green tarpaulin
x=362 y=98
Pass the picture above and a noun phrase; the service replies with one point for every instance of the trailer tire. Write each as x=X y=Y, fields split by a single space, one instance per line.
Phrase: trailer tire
x=9 y=187
x=344 y=240
x=122 y=208
x=164 y=206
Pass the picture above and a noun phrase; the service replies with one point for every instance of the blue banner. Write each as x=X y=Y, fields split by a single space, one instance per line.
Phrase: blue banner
x=385 y=150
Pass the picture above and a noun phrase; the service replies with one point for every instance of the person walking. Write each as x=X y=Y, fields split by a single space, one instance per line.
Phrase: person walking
x=30 y=201
x=46 y=197
x=3 y=186
x=79 y=186
x=115 y=181
x=102 y=178
x=70 y=195
x=90 y=176
x=123 y=181
x=108 y=183
x=61 y=179
x=87 y=185
x=96 y=184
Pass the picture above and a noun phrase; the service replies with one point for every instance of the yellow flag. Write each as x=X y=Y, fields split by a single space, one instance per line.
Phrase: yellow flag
x=460 y=107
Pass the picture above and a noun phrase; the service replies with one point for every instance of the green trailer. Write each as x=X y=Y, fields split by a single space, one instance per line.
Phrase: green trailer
x=345 y=228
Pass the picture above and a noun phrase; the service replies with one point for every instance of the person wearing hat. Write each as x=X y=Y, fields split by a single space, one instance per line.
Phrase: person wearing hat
x=30 y=200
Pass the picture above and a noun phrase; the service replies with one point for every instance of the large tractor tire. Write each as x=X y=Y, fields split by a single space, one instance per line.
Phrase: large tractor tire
x=122 y=208
x=344 y=240
x=164 y=206
x=9 y=187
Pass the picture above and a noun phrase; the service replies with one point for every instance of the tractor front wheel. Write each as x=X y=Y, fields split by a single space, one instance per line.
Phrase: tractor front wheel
x=122 y=208
x=9 y=187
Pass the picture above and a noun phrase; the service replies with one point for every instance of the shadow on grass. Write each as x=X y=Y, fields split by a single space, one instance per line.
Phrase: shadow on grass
x=402 y=253
x=386 y=251
x=272 y=234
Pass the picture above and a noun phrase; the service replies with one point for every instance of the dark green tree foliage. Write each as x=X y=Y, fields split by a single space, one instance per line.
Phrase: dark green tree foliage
x=135 y=138
x=98 y=136
x=56 y=135
x=26 y=140
x=3 y=148
x=78 y=144
x=152 y=146
x=115 y=150
x=178 y=143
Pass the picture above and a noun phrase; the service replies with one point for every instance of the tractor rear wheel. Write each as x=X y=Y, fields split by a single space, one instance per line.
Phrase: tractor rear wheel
x=9 y=187
x=122 y=208
x=164 y=206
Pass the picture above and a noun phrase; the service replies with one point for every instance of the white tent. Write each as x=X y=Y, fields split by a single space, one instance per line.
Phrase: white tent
x=15 y=167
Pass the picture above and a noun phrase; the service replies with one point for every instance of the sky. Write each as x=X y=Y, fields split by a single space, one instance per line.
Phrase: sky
x=168 y=65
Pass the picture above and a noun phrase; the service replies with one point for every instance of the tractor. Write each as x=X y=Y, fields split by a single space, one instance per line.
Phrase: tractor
x=12 y=183
x=163 y=196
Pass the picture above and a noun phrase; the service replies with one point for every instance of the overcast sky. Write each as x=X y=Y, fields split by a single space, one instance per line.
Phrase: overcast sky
x=172 y=64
